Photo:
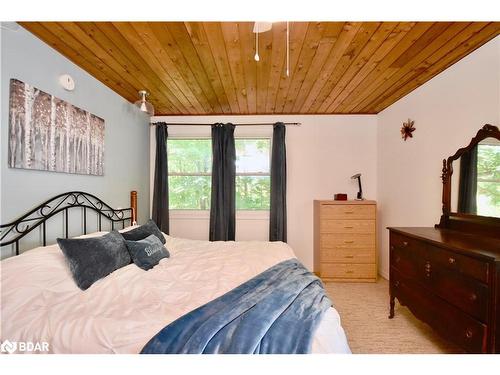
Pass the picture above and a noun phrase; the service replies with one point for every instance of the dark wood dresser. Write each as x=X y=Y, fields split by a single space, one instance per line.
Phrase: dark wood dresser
x=450 y=280
x=449 y=275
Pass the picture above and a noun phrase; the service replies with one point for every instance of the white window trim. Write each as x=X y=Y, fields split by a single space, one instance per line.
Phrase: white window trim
x=205 y=214
x=193 y=214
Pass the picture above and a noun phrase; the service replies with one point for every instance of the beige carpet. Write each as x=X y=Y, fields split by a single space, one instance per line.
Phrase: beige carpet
x=364 y=311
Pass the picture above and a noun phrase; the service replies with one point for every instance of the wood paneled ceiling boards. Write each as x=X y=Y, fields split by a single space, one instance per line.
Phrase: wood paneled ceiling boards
x=193 y=68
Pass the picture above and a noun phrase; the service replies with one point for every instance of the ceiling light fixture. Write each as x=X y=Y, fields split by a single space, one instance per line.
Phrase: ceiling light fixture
x=143 y=104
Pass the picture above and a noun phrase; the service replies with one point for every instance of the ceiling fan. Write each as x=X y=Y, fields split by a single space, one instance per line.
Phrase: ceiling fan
x=262 y=27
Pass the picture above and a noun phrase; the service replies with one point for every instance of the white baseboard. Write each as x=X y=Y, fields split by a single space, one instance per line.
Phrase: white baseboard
x=384 y=274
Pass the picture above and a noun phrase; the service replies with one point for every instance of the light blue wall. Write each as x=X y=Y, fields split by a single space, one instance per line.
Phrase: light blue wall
x=126 y=168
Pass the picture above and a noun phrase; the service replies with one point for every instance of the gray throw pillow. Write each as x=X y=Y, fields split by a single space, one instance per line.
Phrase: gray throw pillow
x=91 y=259
x=148 y=252
x=144 y=231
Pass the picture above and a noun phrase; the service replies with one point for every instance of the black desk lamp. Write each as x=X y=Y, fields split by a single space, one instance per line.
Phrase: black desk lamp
x=360 y=192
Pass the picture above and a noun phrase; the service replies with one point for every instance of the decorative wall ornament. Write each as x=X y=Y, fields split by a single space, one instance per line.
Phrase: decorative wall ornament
x=50 y=134
x=407 y=129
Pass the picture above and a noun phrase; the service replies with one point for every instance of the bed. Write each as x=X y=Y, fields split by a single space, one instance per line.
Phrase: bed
x=121 y=312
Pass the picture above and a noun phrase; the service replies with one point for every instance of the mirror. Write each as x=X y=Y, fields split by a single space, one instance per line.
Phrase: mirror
x=475 y=180
x=471 y=186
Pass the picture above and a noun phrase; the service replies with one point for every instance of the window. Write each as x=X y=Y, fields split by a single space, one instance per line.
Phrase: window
x=253 y=178
x=488 y=180
x=190 y=171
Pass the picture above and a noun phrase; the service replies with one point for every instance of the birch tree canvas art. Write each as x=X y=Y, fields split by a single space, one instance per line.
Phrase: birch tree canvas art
x=50 y=134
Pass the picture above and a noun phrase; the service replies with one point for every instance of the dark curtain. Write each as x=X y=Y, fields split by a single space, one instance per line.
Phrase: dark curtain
x=160 y=192
x=467 y=189
x=223 y=201
x=277 y=222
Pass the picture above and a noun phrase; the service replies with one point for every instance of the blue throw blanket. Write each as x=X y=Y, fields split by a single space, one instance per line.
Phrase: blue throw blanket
x=277 y=311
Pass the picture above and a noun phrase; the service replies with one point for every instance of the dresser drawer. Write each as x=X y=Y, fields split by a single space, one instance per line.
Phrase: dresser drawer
x=457 y=326
x=347 y=240
x=467 y=294
x=418 y=248
x=348 y=255
x=348 y=211
x=348 y=271
x=347 y=226
x=463 y=292
x=404 y=262
x=459 y=263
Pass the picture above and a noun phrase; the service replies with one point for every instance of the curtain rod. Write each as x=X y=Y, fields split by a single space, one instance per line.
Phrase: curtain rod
x=246 y=124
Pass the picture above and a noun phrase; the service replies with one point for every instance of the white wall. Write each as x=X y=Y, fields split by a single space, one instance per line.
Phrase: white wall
x=322 y=154
x=448 y=111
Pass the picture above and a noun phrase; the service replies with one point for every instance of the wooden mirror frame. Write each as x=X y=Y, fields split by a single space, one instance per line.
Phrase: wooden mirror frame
x=484 y=225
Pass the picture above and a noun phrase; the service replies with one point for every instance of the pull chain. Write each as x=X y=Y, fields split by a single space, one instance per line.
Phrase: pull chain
x=287 y=49
x=256 y=57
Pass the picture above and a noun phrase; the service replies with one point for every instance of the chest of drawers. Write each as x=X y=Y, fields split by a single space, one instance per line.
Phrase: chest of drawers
x=449 y=280
x=345 y=240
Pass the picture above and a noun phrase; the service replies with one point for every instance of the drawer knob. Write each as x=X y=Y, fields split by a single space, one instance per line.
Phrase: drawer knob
x=349 y=256
x=473 y=297
x=451 y=260
x=349 y=271
x=396 y=283
x=392 y=247
x=405 y=244
x=468 y=333
x=348 y=227
x=427 y=269
x=348 y=241
x=348 y=212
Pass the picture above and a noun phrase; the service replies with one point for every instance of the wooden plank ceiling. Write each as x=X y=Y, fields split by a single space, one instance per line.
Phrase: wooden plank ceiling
x=209 y=67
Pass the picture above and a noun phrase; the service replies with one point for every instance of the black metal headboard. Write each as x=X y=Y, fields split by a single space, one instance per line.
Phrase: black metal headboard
x=12 y=232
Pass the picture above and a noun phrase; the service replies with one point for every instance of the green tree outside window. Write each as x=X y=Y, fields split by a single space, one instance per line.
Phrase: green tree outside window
x=488 y=180
x=190 y=168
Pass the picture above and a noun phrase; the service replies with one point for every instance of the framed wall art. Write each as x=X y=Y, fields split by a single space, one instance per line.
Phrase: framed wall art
x=47 y=133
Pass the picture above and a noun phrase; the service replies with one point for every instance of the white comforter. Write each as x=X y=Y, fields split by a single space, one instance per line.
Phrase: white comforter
x=121 y=312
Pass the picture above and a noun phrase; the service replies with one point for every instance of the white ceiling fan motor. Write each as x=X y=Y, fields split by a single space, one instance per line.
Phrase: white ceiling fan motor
x=262 y=27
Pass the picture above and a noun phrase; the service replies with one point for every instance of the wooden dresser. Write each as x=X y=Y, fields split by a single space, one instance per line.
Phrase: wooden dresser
x=449 y=275
x=450 y=280
x=345 y=241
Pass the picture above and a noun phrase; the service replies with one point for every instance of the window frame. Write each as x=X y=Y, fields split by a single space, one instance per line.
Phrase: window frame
x=247 y=214
x=257 y=174
x=188 y=138
x=188 y=213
